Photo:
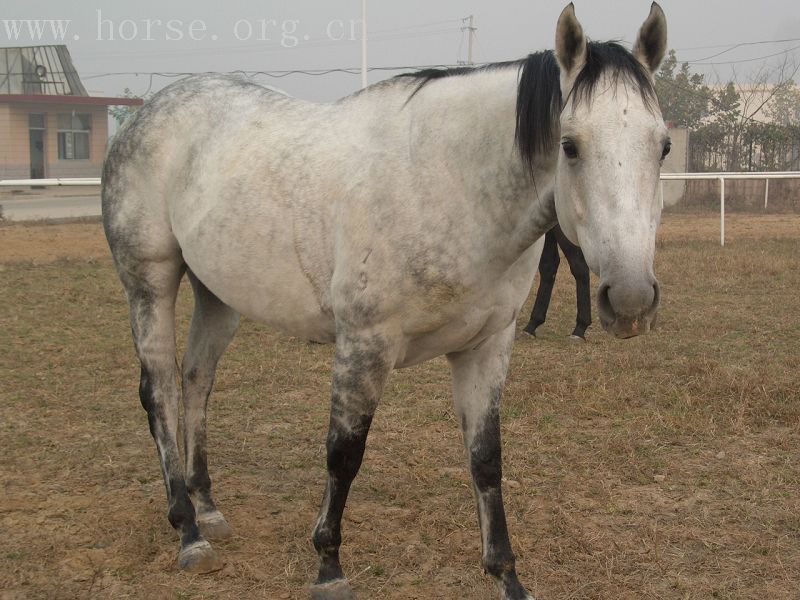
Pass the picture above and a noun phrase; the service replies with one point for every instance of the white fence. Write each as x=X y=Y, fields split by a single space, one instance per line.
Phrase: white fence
x=49 y=182
x=721 y=177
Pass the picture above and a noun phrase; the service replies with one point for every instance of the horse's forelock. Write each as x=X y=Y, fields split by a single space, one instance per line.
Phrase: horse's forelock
x=539 y=100
x=615 y=60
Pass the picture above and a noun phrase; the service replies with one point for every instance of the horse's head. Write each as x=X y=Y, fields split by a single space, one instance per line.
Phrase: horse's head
x=613 y=141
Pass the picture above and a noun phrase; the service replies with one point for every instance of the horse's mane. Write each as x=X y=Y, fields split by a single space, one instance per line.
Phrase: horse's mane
x=539 y=100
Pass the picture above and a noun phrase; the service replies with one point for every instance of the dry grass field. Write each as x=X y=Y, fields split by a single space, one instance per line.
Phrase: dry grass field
x=666 y=466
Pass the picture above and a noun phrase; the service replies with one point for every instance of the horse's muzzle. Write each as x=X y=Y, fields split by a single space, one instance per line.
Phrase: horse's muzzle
x=628 y=310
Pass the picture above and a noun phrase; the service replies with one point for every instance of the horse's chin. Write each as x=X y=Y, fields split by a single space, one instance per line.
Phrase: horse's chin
x=625 y=327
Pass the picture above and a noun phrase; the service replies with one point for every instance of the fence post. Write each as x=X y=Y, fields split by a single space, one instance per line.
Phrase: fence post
x=766 y=193
x=722 y=211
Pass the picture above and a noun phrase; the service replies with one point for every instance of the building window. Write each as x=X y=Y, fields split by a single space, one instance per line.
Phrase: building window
x=36 y=121
x=73 y=136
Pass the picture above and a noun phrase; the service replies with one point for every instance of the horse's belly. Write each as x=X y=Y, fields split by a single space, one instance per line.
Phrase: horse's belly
x=258 y=275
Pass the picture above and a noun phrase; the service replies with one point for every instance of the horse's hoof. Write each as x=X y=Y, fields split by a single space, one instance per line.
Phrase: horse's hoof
x=199 y=558
x=214 y=527
x=332 y=590
x=520 y=593
x=576 y=338
x=525 y=334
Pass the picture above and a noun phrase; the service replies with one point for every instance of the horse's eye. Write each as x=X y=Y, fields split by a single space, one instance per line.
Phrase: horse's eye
x=667 y=148
x=570 y=149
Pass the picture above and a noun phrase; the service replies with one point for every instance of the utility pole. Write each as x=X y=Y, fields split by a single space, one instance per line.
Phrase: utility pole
x=363 y=43
x=472 y=29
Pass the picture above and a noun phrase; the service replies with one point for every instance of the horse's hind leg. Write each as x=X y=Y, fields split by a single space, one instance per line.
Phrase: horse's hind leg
x=151 y=287
x=213 y=326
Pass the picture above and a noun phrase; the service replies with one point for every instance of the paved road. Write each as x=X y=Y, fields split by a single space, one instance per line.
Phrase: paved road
x=48 y=206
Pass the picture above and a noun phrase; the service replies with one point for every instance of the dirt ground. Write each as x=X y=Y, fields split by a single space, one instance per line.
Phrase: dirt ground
x=666 y=466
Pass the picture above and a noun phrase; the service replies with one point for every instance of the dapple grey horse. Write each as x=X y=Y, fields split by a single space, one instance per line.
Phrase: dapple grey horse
x=400 y=224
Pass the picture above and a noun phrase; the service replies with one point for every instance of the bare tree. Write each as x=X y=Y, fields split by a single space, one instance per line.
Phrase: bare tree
x=749 y=125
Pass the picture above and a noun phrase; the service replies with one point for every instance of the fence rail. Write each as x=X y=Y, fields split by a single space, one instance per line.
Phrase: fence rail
x=49 y=182
x=721 y=177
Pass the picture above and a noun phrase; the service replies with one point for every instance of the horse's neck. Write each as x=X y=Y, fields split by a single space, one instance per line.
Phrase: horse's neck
x=466 y=128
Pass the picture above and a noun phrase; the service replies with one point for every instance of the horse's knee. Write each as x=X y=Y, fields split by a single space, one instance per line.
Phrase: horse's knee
x=345 y=448
x=485 y=460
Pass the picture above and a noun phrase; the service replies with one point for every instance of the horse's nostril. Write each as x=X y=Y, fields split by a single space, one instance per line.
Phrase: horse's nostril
x=604 y=304
x=656 y=295
x=627 y=301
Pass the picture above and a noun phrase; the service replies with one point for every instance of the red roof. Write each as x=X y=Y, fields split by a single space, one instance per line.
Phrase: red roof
x=49 y=99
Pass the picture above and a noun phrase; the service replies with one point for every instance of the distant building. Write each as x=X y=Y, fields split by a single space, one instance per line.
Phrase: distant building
x=761 y=102
x=49 y=125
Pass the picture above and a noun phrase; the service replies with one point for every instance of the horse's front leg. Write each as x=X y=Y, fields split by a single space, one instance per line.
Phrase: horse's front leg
x=361 y=367
x=478 y=379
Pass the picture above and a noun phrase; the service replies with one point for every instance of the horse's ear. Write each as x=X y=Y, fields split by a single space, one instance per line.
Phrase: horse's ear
x=570 y=42
x=651 y=44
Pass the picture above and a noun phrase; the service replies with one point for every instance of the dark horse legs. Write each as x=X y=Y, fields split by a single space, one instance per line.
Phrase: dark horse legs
x=548 y=267
x=580 y=271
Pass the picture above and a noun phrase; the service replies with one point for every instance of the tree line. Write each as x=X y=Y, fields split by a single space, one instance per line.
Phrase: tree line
x=734 y=127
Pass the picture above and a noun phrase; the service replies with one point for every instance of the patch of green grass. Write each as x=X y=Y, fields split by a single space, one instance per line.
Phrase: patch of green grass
x=378 y=571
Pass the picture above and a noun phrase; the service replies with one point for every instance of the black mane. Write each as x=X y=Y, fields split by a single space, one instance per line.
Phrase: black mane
x=539 y=100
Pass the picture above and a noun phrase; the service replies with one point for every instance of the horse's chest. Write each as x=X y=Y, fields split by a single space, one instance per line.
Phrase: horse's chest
x=465 y=330
x=465 y=324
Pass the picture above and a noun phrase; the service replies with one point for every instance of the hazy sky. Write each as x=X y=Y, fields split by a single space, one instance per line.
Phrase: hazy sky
x=305 y=34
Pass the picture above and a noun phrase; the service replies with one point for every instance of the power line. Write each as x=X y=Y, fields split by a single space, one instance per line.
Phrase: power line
x=392 y=33
x=744 y=60
x=276 y=47
x=737 y=45
x=276 y=73
x=419 y=26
